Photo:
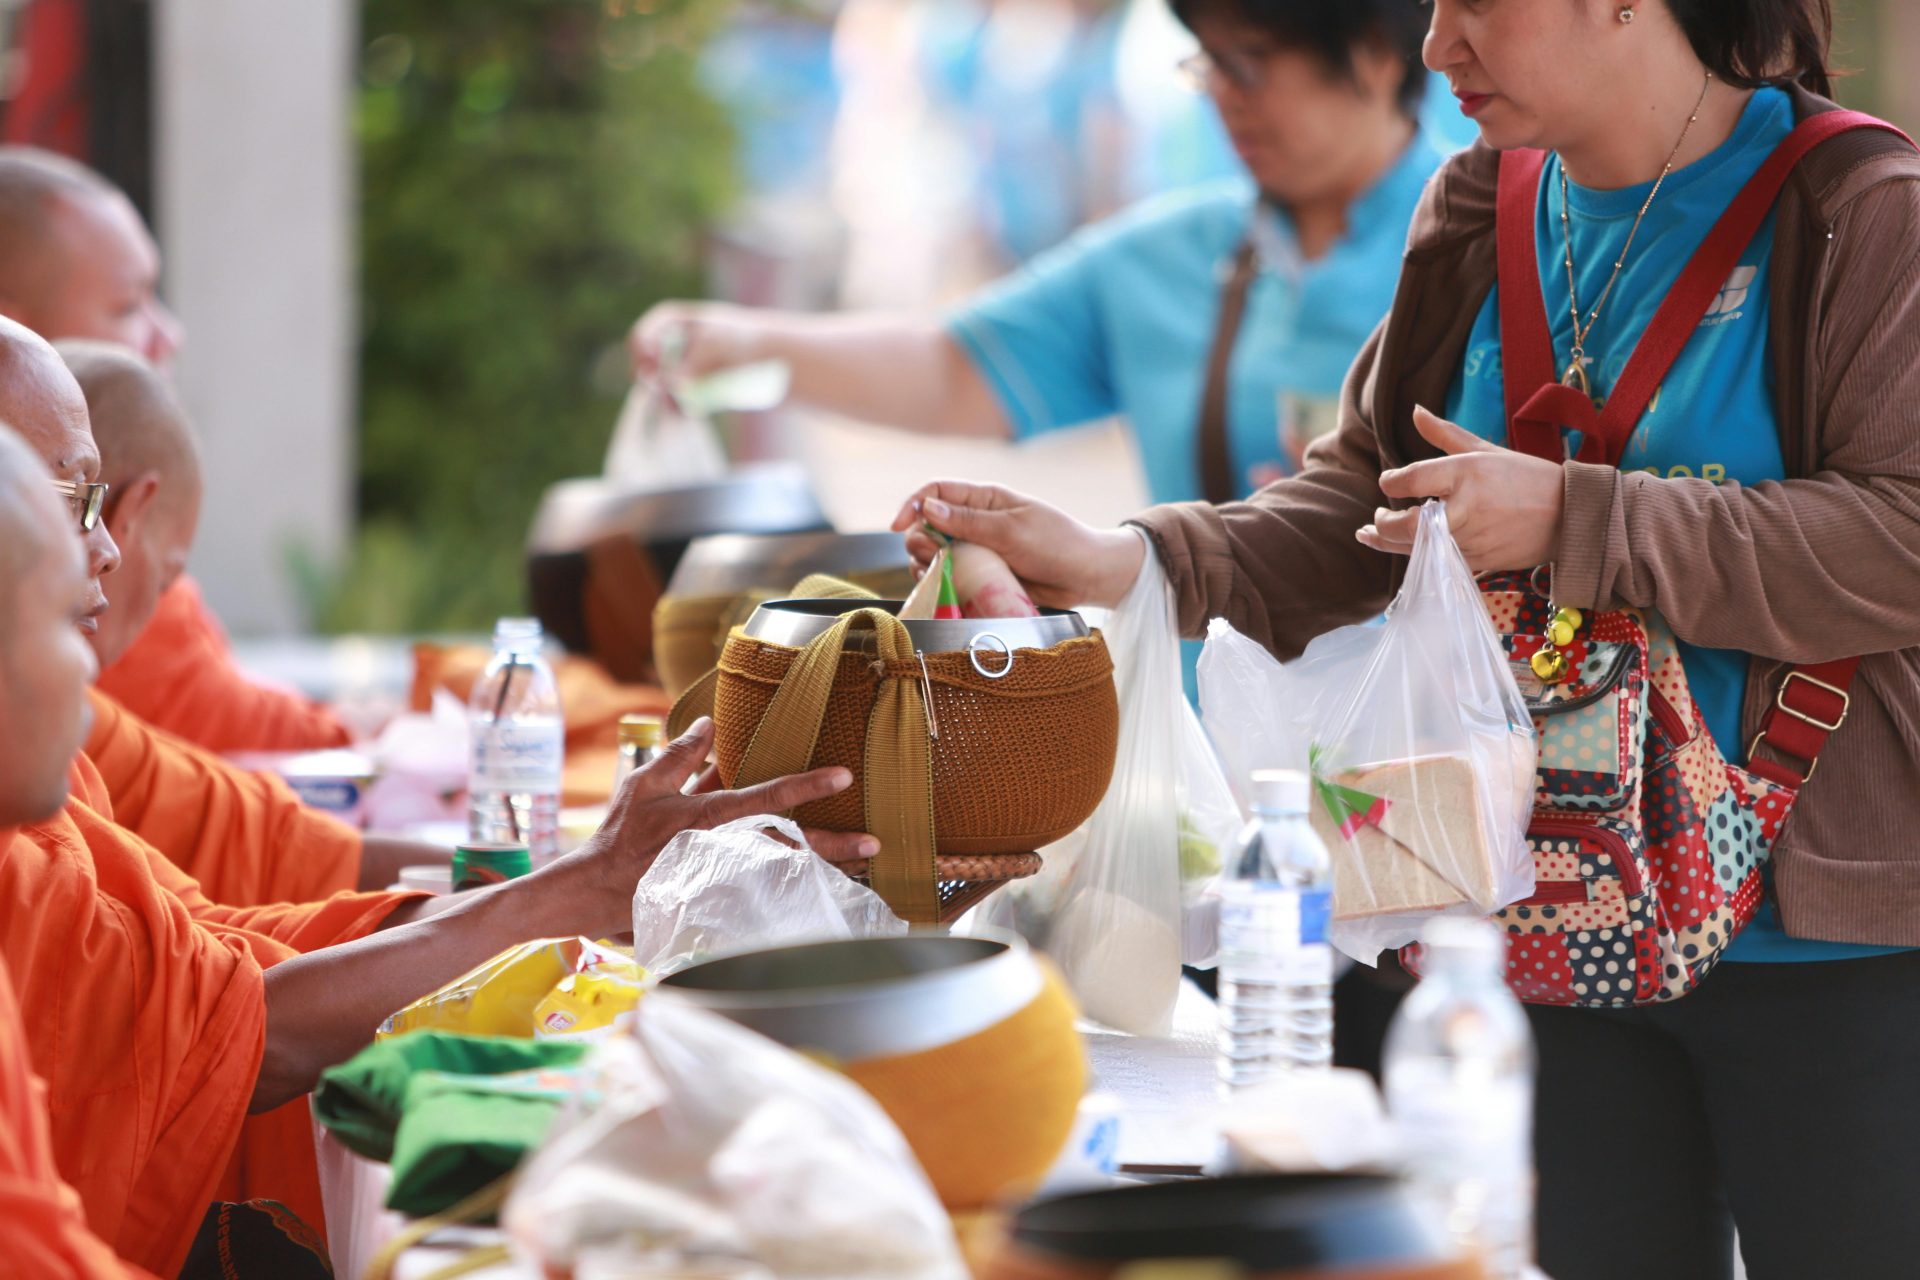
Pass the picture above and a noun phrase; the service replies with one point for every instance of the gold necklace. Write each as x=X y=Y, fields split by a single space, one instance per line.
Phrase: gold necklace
x=1576 y=374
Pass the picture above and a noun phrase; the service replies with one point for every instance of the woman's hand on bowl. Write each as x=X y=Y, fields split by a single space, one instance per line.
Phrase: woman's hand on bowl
x=1062 y=561
x=1504 y=507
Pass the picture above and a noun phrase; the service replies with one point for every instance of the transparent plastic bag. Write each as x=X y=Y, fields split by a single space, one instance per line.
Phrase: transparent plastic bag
x=655 y=445
x=1422 y=756
x=736 y=888
x=701 y=1143
x=1211 y=818
x=1253 y=707
x=1419 y=742
x=665 y=437
x=1110 y=904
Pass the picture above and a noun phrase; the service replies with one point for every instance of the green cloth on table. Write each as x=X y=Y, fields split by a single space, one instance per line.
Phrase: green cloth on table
x=450 y=1113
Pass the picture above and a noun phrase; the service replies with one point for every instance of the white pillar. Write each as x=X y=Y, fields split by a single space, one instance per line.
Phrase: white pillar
x=254 y=183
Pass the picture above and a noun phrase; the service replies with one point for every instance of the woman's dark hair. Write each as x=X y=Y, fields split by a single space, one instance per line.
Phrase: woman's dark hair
x=1745 y=42
x=1332 y=29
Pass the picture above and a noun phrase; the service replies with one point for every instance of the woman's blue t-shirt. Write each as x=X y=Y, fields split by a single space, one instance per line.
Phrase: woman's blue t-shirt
x=1713 y=419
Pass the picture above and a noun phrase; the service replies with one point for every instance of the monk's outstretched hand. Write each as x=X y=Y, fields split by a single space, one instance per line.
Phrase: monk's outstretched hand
x=650 y=810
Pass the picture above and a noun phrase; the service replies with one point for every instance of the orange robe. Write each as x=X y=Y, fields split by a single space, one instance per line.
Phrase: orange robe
x=41 y=1221
x=244 y=836
x=146 y=1015
x=179 y=674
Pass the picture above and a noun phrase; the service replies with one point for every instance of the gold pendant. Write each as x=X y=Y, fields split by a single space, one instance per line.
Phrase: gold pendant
x=1576 y=376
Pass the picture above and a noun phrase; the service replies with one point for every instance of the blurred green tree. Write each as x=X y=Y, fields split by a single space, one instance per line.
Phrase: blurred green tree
x=533 y=173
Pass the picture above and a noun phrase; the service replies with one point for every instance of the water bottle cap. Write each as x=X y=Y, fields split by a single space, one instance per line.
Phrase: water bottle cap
x=1280 y=790
x=516 y=629
x=1463 y=940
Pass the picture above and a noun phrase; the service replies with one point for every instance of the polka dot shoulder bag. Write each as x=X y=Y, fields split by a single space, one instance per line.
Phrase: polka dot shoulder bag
x=1648 y=844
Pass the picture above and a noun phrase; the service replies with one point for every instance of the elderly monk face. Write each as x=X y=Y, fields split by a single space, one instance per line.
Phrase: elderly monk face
x=81 y=263
x=45 y=665
x=40 y=400
x=149 y=459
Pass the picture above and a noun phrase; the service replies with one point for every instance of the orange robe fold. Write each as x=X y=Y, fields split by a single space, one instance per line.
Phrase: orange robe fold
x=268 y=1155
x=179 y=674
x=41 y=1221
x=244 y=836
x=147 y=1028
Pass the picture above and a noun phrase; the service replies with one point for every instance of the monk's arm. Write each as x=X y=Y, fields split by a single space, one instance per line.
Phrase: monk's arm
x=322 y=1007
x=381 y=858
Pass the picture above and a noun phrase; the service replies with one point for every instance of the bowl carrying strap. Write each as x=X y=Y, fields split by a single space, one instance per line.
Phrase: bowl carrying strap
x=896 y=769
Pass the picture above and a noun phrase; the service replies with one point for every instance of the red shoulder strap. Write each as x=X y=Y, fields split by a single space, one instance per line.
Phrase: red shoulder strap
x=1706 y=274
x=1813 y=701
x=1526 y=339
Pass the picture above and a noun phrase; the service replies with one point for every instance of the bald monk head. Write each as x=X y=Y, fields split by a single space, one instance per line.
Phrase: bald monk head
x=40 y=400
x=76 y=261
x=45 y=666
x=152 y=467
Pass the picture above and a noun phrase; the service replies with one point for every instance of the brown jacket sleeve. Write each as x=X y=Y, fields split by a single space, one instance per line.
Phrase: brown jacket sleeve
x=1807 y=570
x=1284 y=566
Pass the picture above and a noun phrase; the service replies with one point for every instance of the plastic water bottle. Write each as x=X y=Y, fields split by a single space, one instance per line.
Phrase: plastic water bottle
x=1276 y=967
x=1459 y=1082
x=517 y=743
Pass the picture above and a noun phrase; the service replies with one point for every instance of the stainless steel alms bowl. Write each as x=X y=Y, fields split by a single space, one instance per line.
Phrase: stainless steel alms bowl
x=796 y=622
x=733 y=563
x=871 y=998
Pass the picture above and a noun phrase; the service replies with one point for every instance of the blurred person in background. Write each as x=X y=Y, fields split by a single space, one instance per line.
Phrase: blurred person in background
x=76 y=261
x=1219 y=321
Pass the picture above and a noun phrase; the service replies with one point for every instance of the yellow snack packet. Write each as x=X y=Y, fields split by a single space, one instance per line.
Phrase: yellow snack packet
x=591 y=1005
x=498 y=998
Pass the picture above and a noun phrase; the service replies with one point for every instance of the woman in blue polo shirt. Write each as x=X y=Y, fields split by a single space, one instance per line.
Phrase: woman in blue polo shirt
x=1217 y=321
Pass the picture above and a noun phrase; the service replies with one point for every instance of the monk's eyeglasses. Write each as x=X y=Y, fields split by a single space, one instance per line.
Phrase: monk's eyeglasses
x=87 y=499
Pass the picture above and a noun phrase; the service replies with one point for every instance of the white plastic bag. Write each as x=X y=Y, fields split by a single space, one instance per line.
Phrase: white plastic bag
x=657 y=446
x=736 y=888
x=702 y=1142
x=665 y=437
x=1253 y=708
x=1210 y=822
x=1109 y=904
x=1419 y=711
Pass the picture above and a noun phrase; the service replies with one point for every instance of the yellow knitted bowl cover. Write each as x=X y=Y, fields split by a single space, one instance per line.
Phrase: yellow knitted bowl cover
x=988 y=1115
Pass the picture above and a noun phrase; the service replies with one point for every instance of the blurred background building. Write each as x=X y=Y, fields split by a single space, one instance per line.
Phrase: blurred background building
x=406 y=237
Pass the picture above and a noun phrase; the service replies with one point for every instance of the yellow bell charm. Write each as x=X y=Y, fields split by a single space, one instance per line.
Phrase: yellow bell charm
x=1571 y=616
x=1560 y=632
x=1550 y=665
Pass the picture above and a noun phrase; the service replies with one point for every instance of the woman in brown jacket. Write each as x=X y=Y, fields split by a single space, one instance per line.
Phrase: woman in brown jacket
x=1767 y=506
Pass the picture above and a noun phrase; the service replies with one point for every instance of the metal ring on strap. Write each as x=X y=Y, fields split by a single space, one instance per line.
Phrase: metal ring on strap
x=975 y=648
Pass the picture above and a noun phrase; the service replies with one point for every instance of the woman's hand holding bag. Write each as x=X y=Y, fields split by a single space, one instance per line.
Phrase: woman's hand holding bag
x=1504 y=507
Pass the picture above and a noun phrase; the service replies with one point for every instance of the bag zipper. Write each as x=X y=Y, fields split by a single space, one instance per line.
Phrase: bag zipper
x=1615 y=846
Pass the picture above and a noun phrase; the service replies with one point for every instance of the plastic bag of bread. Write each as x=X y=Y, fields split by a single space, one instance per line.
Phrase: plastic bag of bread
x=1423 y=757
x=1418 y=740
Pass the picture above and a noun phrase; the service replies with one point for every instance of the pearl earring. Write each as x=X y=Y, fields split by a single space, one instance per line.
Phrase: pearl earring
x=1626 y=13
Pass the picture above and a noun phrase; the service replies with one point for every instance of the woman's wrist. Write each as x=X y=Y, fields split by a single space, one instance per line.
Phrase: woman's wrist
x=1118 y=555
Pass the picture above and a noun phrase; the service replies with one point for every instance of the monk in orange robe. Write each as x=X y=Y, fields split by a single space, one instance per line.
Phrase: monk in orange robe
x=158 y=1019
x=76 y=261
x=43 y=665
x=244 y=836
